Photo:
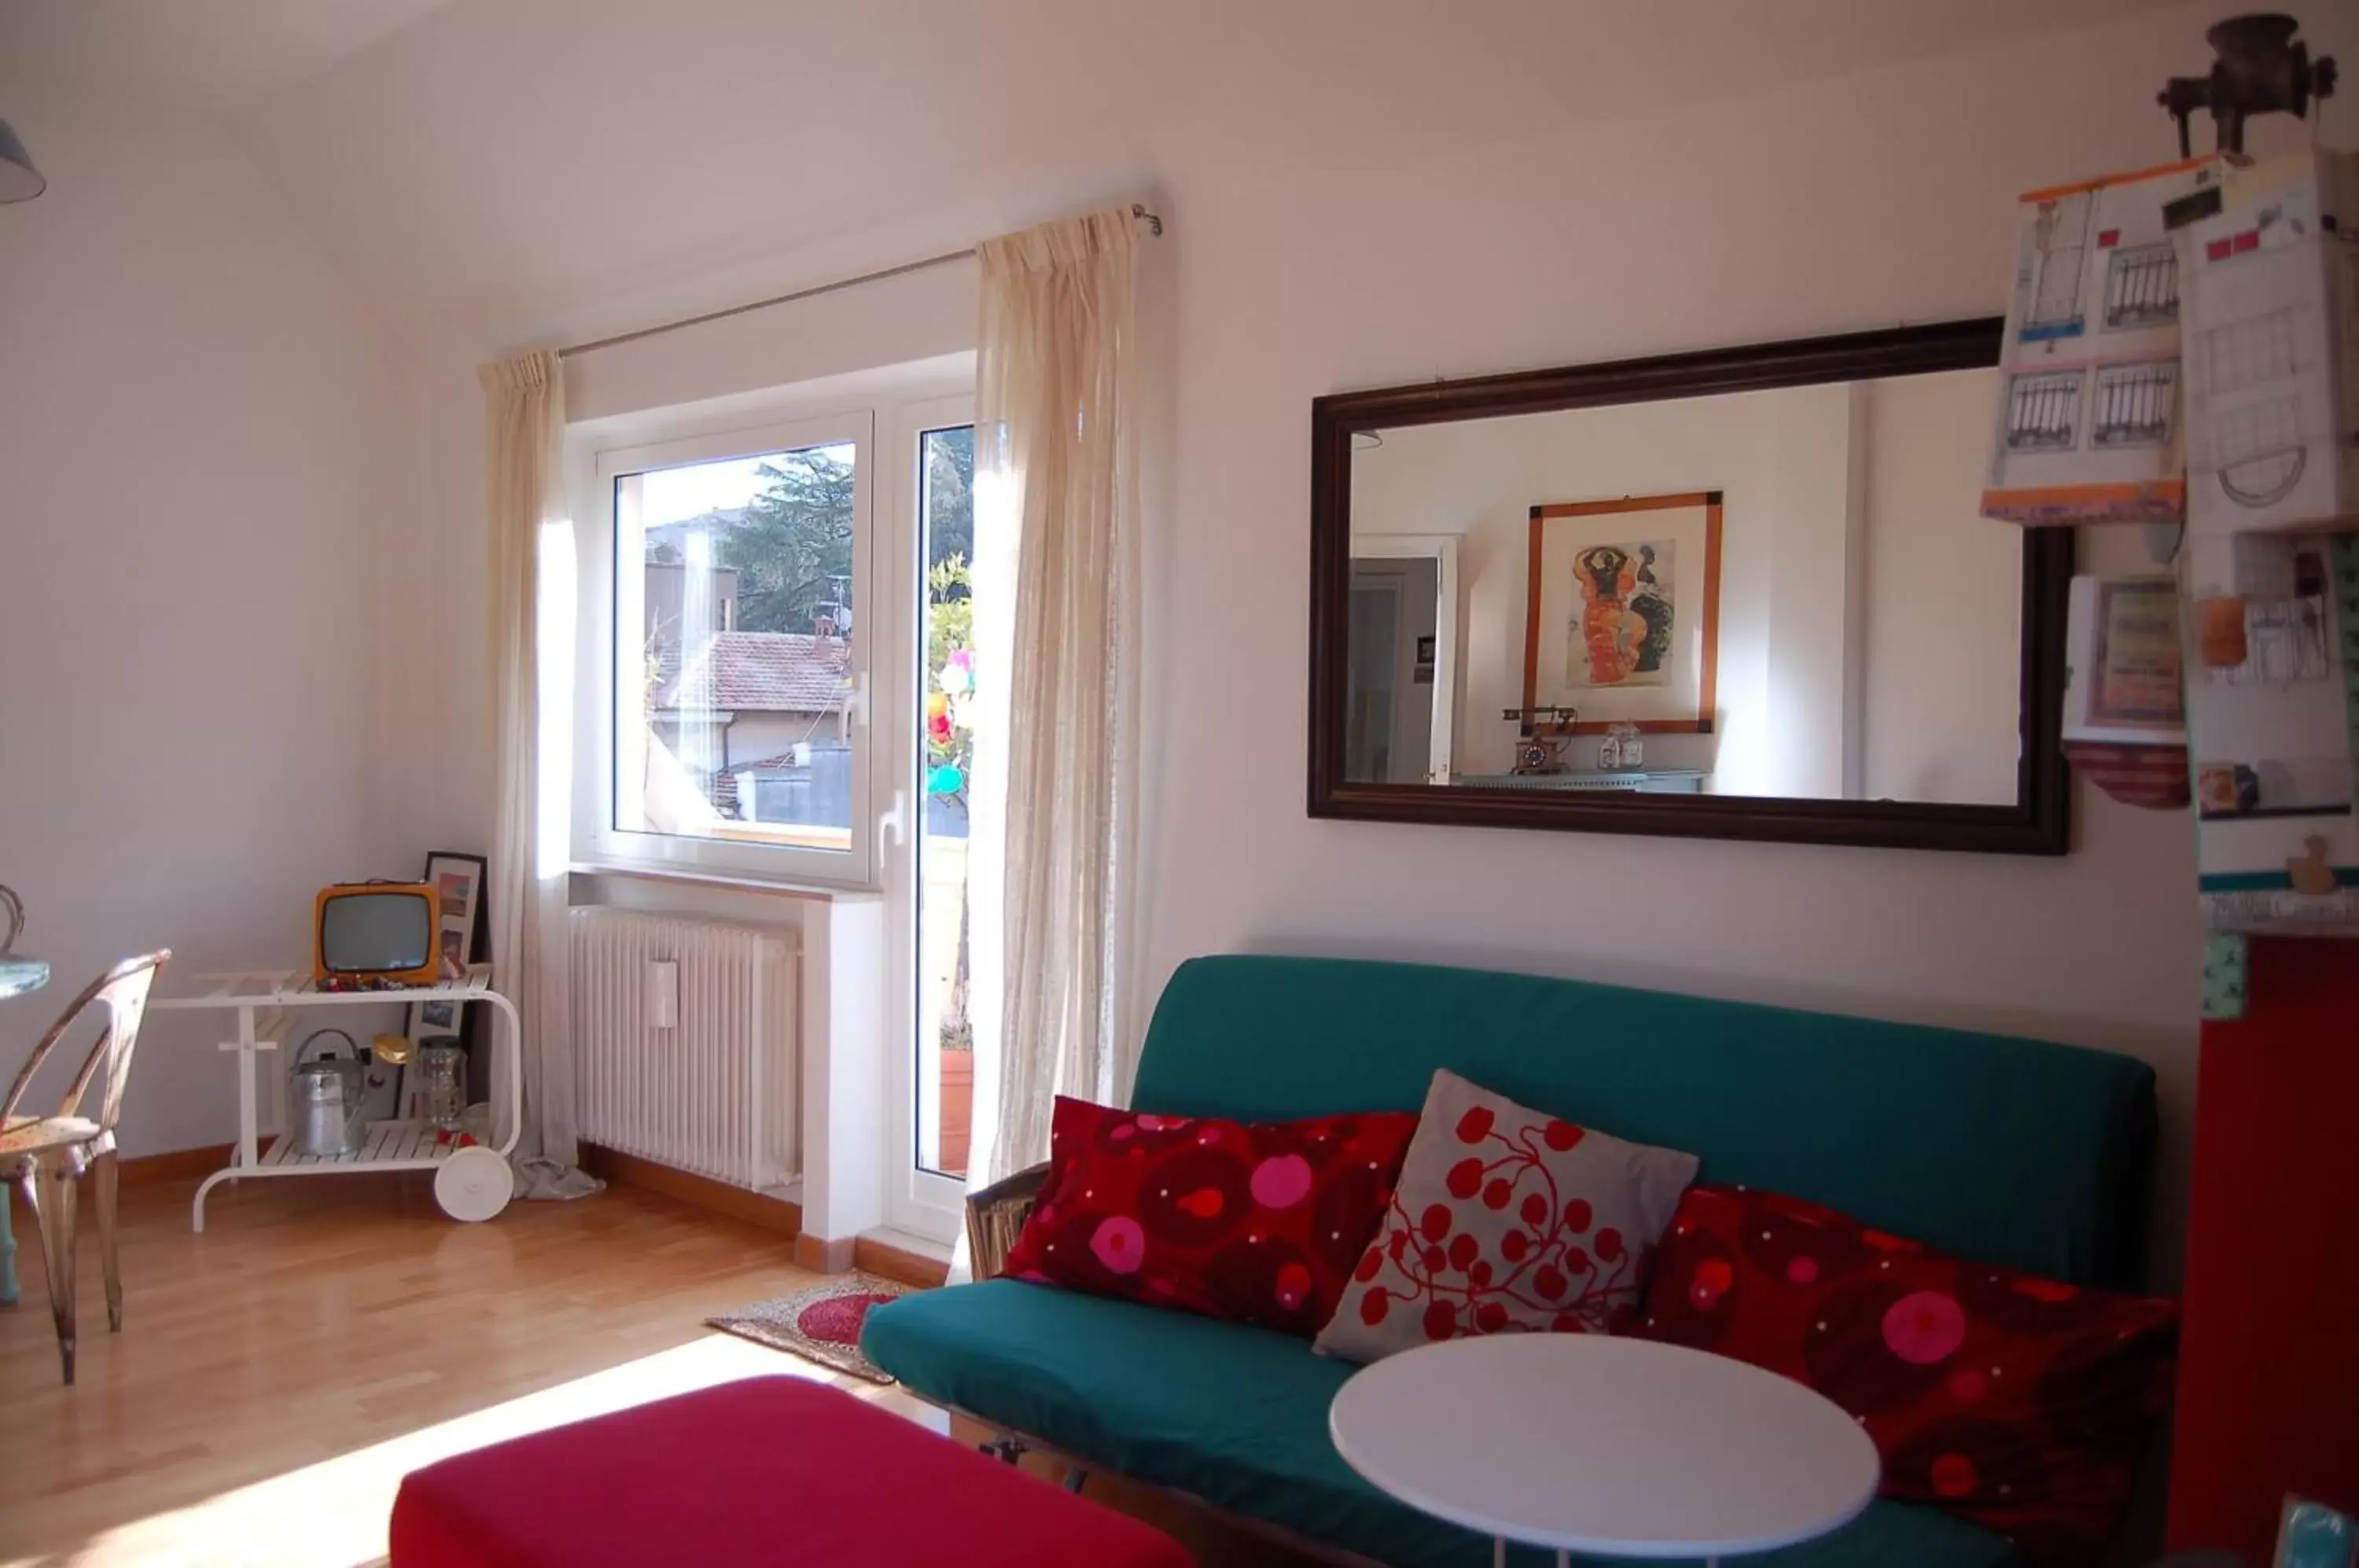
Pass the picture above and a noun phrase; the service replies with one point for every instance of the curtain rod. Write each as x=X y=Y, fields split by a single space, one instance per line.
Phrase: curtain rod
x=1153 y=222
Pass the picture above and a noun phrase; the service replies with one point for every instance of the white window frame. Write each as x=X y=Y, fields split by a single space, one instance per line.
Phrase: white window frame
x=898 y=403
x=602 y=599
x=923 y=1203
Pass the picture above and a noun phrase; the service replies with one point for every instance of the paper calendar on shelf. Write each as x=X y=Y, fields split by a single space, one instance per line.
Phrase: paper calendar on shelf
x=2269 y=273
x=2087 y=427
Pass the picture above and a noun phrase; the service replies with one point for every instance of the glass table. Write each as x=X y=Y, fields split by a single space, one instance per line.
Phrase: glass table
x=17 y=975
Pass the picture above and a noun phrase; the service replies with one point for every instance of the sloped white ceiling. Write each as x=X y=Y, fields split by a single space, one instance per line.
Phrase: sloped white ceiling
x=498 y=161
x=206 y=54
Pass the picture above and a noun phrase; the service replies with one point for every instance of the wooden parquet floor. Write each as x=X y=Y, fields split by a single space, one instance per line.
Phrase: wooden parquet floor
x=278 y=1376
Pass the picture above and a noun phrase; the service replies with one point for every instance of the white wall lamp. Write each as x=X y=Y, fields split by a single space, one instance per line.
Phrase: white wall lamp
x=19 y=180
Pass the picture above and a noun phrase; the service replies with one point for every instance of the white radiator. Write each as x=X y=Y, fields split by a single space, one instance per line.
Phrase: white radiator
x=684 y=1043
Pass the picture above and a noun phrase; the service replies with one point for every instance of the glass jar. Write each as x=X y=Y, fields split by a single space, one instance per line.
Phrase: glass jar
x=441 y=1069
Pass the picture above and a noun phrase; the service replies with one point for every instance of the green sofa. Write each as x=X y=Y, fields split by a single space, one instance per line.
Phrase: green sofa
x=2012 y=1150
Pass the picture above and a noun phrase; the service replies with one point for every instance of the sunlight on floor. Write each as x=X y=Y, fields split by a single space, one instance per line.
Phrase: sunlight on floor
x=332 y=1514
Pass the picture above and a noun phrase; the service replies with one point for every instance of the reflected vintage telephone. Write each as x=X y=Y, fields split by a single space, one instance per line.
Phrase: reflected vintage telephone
x=1548 y=733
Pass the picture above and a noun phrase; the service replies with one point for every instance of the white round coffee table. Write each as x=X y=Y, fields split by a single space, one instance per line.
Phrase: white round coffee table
x=1621 y=1447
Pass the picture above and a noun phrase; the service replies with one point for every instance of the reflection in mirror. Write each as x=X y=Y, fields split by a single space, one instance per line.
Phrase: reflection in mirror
x=1779 y=594
x=1403 y=670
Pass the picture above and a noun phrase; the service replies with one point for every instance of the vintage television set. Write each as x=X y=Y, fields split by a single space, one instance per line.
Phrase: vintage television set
x=380 y=932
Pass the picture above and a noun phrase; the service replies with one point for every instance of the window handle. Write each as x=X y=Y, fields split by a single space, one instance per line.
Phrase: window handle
x=895 y=823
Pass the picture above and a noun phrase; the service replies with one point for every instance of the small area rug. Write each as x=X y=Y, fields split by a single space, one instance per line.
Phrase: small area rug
x=820 y=1324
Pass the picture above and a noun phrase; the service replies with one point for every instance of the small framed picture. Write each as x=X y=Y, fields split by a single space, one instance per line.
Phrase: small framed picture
x=458 y=882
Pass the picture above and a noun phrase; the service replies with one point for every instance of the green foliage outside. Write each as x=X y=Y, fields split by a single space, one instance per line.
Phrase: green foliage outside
x=950 y=606
x=792 y=551
x=792 y=546
x=950 y=494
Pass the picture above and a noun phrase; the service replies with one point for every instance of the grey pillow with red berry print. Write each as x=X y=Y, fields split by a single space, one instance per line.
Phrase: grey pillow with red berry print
x=1507 y=1219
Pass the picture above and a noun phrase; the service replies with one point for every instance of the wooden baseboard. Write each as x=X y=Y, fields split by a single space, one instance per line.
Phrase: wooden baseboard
x=632 y=1170
x=823 y=1254
x=179 y=1165
x=887 y=1261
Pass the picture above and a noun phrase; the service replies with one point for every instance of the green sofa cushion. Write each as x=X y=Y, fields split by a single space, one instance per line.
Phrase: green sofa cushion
x=2006 y=1151
x=1238 y=1417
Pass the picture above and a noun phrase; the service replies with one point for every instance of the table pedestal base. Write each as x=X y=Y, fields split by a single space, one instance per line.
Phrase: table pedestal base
x=1563 y=1558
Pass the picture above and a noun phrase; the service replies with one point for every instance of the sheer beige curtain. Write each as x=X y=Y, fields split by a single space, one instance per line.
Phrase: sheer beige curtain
x=532 y=599
x=1057 y=611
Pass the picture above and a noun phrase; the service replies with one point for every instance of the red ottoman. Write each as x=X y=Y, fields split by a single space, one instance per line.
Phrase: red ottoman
x=779 y=1472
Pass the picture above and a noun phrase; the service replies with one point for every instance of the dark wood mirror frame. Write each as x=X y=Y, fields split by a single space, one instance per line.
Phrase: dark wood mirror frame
x=2036 y=823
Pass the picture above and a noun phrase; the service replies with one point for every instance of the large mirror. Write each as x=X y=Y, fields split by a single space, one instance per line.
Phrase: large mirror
x=1742 y=594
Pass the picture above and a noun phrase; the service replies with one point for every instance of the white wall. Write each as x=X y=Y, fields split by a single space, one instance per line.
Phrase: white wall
x=1886 y=197
x=1883 y=198
x=1813 y=654
x=189 y=402
x=1943 y=598
x=895 y=321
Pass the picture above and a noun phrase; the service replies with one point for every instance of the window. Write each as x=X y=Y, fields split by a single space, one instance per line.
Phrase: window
x=933 y=898
x=945 y=746
x=741 y=651
x=754 y=598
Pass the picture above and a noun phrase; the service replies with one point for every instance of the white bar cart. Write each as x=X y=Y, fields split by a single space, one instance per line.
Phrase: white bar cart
x=471 y=1181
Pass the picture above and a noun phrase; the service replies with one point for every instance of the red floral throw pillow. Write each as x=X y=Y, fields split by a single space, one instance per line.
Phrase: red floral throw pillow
x=2017 y=1402
x=1253 y=1221
x=1506 y=1218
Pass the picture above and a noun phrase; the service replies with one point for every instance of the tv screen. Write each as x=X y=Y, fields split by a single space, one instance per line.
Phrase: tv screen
x=375 y=932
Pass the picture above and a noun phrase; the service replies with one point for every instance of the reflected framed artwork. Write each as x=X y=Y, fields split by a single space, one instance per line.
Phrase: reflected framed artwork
x=1622 y=624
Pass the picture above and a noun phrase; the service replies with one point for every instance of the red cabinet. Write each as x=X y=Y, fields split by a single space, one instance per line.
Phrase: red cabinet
x=2268 y=1380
